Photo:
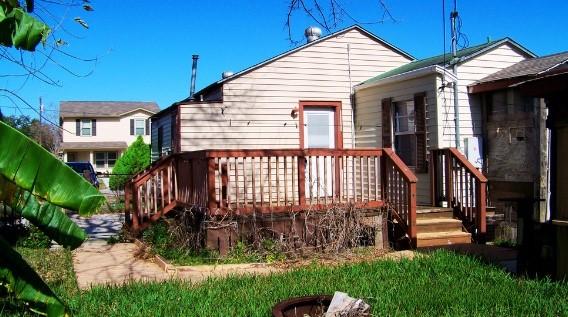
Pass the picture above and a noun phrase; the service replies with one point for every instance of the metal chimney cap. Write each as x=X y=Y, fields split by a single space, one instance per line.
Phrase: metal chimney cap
x=312 y=33
x=227 y=74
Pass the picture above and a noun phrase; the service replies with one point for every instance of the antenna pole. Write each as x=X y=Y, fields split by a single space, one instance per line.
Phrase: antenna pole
x=454 y=62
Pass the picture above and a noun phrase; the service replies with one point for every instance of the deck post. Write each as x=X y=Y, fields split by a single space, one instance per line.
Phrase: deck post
x=481 y=214
x=302 y=180
x=127 y=202
x=384 y=185
x=449 y=178
x=412 y=212
x=433 y=170
x=134 y=215
x=211 y=197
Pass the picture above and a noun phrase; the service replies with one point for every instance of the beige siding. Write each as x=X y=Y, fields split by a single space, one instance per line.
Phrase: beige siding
x=368 y=117
x=470 y=106
x=258 y=104
x=108 y=129
x=368 y=123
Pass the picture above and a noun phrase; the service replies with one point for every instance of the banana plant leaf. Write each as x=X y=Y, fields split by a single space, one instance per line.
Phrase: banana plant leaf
x=24 y=283
x=49 y=218
x=32 y=168
x=19 y=29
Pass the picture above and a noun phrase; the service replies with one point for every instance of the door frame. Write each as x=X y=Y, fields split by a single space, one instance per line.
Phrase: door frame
x=336 y=106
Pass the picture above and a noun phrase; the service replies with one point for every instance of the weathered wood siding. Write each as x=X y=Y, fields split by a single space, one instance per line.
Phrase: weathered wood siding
x=256 y=108
x=165 y=122
x=470 y=106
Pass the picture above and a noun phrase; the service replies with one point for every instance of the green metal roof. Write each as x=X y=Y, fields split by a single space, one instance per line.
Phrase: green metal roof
x=444 y=60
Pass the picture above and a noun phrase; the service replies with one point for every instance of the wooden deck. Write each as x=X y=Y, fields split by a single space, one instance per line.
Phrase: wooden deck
x=251 y=182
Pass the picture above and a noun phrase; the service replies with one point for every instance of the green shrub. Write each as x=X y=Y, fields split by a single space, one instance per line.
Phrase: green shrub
x=135 y=159
x=33 y=238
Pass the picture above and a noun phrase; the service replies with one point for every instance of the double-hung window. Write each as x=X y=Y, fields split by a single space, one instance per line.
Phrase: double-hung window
x=139 y=126
x=86 y=127
x=404 y=131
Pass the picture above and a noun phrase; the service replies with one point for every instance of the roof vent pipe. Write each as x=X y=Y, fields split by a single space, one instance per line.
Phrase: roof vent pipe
x=312 y=33
x=227 y=74
x=193 y=75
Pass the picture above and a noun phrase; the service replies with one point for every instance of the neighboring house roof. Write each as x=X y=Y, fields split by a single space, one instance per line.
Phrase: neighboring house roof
x=98 y=109
x=527 y=68
x=112 y=145
x=323 y=38
x=445 y=60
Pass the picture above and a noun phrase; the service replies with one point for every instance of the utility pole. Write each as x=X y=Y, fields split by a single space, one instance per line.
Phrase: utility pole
x=454 y=62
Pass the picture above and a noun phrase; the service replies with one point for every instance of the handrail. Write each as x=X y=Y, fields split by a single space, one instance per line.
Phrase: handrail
x=455 y=180
x=399 y=192
x=250 y=181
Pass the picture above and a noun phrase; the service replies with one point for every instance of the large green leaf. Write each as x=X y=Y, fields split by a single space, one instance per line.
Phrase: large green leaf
x=49 y=218
x=19 y=29
x=32 y=168
x=24 y=283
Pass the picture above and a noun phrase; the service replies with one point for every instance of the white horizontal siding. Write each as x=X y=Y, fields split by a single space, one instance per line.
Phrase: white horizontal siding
x=368 y=113
x=257 y=106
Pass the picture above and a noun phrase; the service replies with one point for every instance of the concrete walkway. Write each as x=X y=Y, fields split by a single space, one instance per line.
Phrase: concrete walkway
x=101 y=226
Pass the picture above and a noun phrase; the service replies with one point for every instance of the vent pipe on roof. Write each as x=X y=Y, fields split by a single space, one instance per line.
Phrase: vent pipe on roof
x=227 y=74
x=312 y=33
x=193 y=75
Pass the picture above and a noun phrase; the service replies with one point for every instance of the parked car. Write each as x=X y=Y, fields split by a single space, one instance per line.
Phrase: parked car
x=86 y=169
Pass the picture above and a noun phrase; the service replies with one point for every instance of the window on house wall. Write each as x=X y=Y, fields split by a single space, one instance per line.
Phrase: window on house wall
x=404 y=131
x=139 y=126
x=86 y=127
x=105 y=159
x=71 y=157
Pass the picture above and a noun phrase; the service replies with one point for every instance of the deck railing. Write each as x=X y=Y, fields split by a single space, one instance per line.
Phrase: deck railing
x=246 y=182
x=456 y=181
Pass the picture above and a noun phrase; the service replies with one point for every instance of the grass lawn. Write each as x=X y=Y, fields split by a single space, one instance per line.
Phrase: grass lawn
x=441 y=284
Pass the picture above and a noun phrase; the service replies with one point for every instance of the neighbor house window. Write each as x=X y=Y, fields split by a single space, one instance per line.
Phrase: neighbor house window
x=86 y=127
x=105 y=159
x=140 y=126
x=71 y=157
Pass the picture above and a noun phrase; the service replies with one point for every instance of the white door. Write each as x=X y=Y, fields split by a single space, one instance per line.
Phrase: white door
x=319 y=132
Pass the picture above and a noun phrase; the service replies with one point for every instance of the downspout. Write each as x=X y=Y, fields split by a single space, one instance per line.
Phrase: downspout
x=453 y=17
x=351 y=97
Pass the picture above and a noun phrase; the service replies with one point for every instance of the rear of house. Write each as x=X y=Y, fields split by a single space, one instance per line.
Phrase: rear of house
x=411 y=108
x=299 y=99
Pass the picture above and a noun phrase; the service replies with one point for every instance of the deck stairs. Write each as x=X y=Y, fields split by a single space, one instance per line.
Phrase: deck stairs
x=436 y=226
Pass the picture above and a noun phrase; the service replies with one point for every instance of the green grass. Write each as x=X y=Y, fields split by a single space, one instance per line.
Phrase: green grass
x=442 y=284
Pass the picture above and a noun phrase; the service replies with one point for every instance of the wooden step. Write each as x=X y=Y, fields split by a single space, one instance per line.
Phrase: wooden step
x=428 y=212
x=442 y=238
x=438 y=225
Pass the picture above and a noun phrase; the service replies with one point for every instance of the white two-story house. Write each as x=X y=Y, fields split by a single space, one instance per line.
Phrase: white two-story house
x=99 y=131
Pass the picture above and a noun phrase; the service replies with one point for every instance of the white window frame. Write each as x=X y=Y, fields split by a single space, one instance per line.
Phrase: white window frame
x=84 y=124
x=136 y=127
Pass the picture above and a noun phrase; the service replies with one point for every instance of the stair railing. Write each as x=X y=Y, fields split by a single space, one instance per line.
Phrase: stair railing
x=463 y=187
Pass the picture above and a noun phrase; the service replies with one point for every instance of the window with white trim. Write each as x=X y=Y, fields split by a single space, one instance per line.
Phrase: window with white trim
x=404 y=131
x=105 y=159
x=139 y=126
x=86 y=127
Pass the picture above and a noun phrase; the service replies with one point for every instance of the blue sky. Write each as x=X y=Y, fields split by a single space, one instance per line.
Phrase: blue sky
x=143 y=48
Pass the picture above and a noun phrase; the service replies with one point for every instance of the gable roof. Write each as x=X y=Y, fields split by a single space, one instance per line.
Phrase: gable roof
x=529 y=67
x=445 y=60
x=277 y=57
x=100 y=109
x=522 y=71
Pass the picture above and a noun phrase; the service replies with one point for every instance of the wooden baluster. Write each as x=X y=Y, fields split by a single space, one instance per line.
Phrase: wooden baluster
x=236 y=182
x=318 y=181
x=361 y=176
x=293 y=188
x=368 y=178
x=211 y=197
x=270 y=181
x=285 y=181
x=162 y=187
x=245 y=191
x=278 y=181
x=220 y=181
x=467 y=197
x=301 y=161
x=228 y=181
x=326 y=190
x=261 y=170
x=155 y=189
x=354 y=180
x=376 y=174
x=252 y=164
x=310 y=181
